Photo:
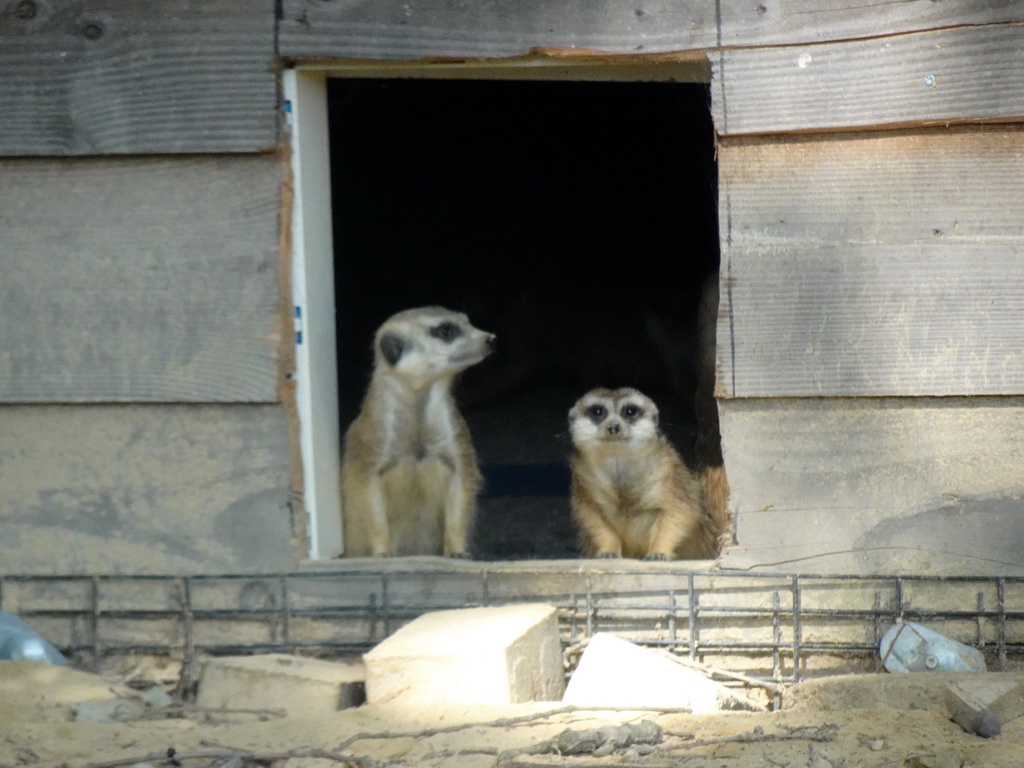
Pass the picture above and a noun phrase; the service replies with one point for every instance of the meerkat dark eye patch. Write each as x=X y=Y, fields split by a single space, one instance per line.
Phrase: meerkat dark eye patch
x=596 y=413
x=446 y=332
x=631 y=412
x=391 y=347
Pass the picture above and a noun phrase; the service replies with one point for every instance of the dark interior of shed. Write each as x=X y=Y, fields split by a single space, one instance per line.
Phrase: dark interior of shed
x=576 y=220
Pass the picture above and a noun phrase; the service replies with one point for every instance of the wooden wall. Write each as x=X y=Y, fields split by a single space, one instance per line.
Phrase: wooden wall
x=870 y=355
x=141 y=327
x=870 y=157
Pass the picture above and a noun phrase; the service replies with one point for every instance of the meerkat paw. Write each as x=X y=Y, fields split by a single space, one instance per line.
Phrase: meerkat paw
x=608 y=556
x=656 y=556
x=460 y=556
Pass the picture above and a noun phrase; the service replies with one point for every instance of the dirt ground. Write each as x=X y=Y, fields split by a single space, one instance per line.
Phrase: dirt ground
x=864 y=720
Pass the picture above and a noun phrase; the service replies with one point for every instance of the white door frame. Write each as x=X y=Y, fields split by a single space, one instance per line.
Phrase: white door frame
x=316 y=390
x=316 y=378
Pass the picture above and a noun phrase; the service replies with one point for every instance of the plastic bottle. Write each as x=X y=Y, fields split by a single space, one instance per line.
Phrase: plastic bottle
x=18 y=641
x=910 y=647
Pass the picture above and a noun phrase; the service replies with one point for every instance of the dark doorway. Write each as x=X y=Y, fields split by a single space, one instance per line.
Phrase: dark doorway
x=577 y=221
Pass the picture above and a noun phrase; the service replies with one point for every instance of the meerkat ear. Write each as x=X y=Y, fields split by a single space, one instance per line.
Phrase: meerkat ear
x=391 y=346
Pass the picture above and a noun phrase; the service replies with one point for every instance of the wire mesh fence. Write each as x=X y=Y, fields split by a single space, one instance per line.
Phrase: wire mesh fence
x=780 y=628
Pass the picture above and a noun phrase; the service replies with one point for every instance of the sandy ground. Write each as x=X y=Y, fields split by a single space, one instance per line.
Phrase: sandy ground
x=867 y=720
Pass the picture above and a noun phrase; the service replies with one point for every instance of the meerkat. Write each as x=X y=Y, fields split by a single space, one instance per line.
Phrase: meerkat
x=632 y=495
x=409 y=475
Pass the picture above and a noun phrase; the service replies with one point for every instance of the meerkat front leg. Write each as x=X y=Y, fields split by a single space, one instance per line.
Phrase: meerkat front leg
x=668 y=531
x=379 y=529
x=459 y=511
x=362 y=502
x=600 y=538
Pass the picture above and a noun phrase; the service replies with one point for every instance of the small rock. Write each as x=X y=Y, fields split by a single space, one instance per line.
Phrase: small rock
x=570 y=742
x=605 y=740
x=617 y=736
x=647 y=732
x=988 y=725
x=877 y=745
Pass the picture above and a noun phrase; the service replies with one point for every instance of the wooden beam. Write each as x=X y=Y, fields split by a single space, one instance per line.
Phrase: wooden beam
x=145 y=489
x=417 y=29
x=117 y=76
x=929 y=78
x=788 y=22
x=873 y=264
x=901 y=485
x=139 y=279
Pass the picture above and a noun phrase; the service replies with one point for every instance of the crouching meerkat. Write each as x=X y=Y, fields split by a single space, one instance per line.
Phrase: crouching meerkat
x=409 y=477
x=632 y=495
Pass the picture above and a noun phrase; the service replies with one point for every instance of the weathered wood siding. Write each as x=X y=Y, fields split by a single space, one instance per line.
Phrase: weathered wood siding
x=929 y=78
x=871 y=261
x=144 y=270
x=885 y=263
x=788 y=22
x=140 y=279
x=490 y=28
x=145 y=489
x=419 y=29
x=115 y=76
x=862 y=485
x=868 y=248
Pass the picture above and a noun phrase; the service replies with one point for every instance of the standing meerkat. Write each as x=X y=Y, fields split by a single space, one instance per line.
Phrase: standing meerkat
x=409 y=476
x=632 y=495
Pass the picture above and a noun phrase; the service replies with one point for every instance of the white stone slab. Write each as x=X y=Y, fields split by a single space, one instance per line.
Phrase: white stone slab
x=616 y=673
x=500 y=655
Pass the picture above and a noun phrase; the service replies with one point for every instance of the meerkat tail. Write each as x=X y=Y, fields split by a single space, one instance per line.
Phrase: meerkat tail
x=715 y=487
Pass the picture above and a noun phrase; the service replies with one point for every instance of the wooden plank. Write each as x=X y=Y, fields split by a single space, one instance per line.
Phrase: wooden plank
x=873 y=264
x=873 y=320
x=145 y=489
x=954 y=75
x=788 y=22
x=117 y=76
x=901 y=485
x=416 y=29
x=141 y=279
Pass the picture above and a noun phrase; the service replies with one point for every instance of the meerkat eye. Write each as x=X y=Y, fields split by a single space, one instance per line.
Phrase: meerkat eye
x=631 y=412
x=596 y=413
x=446 y=332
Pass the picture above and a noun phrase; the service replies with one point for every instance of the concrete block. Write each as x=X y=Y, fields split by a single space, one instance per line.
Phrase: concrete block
x=981 y=704
x=616 y=673
x=278 y=681
x=502 y=655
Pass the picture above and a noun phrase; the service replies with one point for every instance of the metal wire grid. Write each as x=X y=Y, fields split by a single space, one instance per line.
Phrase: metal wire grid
x=780 y=620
